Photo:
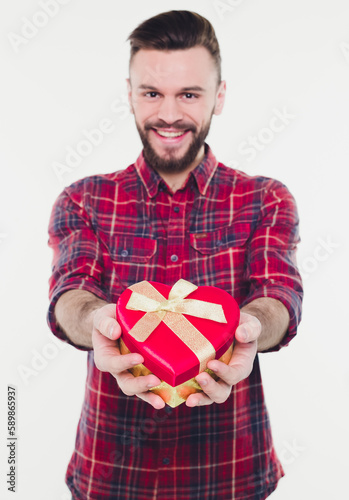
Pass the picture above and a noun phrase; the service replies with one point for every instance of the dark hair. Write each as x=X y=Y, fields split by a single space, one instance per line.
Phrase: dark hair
x=174 y=30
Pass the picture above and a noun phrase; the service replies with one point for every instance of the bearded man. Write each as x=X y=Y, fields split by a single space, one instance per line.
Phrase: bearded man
x=175 y=213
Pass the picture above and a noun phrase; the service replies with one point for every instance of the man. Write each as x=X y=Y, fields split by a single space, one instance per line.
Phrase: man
x=175 y=213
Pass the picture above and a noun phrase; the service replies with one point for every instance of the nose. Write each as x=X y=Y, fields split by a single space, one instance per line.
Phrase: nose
x=169 y=110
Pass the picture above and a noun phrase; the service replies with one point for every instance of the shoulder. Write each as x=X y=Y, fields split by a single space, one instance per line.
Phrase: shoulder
x=100 y=186
x=260 y=192
x=241 y=179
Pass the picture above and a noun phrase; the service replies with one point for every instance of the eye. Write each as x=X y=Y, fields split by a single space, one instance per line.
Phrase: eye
x=190 y=96
x=152 y=94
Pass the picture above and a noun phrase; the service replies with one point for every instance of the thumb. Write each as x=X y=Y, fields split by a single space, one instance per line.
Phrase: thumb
x=105 y=321
x=249 y=329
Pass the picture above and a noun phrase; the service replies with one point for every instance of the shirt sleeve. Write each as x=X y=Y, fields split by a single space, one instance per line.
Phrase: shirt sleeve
x=272 y=267
x=77 y=261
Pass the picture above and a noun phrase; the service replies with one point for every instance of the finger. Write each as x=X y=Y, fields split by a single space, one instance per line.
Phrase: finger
x=249 y=328
x=198 y=399
x=153 y=399
x=216 y=391
x=105 y=322
x=107 y=355
x=240 y=364
x=139 y=386
x=131 y=385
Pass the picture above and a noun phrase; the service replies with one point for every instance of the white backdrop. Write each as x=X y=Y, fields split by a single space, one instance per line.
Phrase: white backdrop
x=63 y=72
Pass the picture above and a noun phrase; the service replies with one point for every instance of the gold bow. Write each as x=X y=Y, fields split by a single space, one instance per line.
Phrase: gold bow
x=147 y=299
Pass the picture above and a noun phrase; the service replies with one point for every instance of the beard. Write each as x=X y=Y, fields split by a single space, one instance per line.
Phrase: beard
x=172 y=164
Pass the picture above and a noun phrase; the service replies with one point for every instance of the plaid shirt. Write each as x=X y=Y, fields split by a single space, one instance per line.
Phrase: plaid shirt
x=223 y=228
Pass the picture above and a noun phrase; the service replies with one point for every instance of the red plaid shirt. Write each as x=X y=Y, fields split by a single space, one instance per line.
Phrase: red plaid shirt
x=223 y=228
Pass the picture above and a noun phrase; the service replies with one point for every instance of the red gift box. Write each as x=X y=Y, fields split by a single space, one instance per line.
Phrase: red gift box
x=177 y=332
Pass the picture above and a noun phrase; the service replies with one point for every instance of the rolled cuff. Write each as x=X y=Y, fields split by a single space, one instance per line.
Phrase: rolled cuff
x=71 y=284
x=292 y=302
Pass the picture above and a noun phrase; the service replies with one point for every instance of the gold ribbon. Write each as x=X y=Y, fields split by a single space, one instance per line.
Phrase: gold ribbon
x=147 y=299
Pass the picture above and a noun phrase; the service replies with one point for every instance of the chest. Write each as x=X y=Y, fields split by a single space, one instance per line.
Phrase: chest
x=186 y=235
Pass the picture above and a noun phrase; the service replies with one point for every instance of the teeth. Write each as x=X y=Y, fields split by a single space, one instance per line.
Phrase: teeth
x=170 y=134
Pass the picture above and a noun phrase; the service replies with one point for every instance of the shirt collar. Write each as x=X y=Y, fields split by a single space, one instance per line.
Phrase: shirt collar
x=203 y=173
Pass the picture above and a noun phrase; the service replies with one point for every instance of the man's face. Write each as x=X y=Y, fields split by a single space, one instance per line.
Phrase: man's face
x=173 y=95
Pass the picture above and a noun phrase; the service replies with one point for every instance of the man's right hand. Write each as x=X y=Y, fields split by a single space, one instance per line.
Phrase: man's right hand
x=106 y=330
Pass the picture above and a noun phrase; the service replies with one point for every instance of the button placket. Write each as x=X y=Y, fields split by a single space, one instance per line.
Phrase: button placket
x=176 y=234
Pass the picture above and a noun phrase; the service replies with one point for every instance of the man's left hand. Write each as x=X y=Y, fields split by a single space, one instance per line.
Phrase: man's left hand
x=239 y=367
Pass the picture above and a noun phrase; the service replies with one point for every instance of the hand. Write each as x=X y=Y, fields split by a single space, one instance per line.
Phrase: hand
x=106 y=330
x=239 y=367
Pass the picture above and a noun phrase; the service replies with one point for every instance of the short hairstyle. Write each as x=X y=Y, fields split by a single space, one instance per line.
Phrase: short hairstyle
x=176 y=30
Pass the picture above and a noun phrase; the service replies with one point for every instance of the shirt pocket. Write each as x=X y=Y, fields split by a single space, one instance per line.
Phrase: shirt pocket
x=132 y=261
x=132 y=249
x=220 y=240
x=219 y=257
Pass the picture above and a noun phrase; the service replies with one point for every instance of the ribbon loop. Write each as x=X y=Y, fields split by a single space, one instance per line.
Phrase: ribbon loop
x=181 y=289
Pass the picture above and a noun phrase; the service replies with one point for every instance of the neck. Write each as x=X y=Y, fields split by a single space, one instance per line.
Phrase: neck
x=175 y=180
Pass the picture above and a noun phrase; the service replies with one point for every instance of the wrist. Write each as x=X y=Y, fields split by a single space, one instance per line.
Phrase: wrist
x=274 y=319
x=74 y=311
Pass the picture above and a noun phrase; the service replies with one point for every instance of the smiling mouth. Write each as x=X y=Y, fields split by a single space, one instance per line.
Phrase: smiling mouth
x=167 y=134
x=170 y=134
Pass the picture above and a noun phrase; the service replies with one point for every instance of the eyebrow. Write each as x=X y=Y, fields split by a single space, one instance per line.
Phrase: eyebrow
x=194 y=88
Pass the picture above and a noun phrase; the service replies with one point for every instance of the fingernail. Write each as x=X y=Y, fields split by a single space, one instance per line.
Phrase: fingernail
x=151 y=386
x=203 y=383
x=244 y=333
x=111 y=332
x=136 y=361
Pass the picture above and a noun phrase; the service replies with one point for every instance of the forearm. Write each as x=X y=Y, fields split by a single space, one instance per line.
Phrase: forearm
x=274 y=318
x=74 y=314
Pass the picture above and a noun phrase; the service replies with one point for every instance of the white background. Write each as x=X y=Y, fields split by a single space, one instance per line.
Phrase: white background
x=284 y=55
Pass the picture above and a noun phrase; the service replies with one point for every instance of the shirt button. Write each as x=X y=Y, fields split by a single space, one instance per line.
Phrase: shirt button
x=219 y=243
x=166 y=461
x=176 y=209
x=174 y=258
x=124 y=253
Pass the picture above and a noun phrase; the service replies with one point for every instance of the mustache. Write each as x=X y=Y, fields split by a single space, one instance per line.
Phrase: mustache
x=177 y=126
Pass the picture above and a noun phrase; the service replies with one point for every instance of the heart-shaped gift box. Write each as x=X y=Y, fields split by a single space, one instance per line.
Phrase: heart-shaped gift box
x=177 y=330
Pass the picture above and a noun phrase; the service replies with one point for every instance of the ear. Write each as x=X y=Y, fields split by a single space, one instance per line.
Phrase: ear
x=129 y=94
x=220 y=98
